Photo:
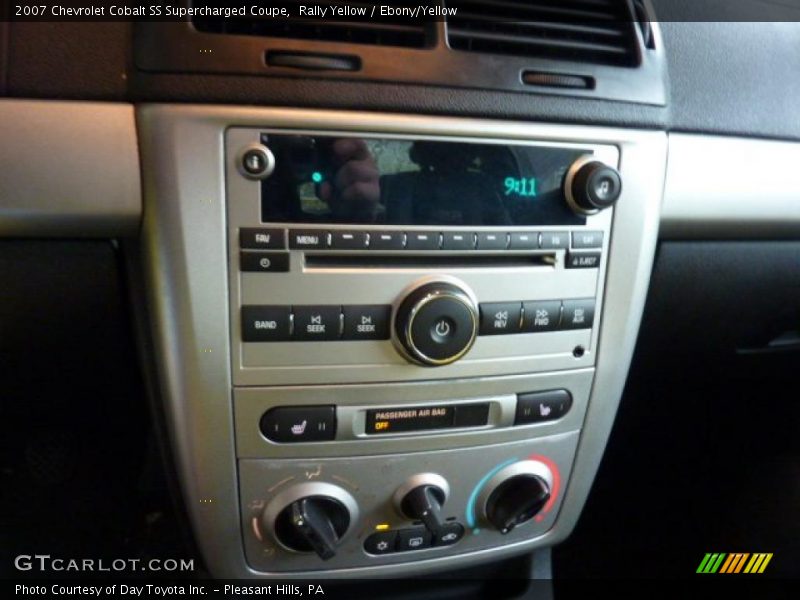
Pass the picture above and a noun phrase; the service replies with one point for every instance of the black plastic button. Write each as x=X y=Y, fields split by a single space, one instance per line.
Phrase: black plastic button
x=254 y=238
x=307 y=239
x=577 y=314
x=524 y=240
x=458 y=240
x=386 y=240
x=422 y=240
x=492 y=240
x=413 y=539
x=449 y=534
x=382 y=542
x=583 y=260
x=500 y=317
x=264 y=262
x=367 y=322
x=471 y=415
x=265 y=323
x=289 y=424
x=348 y=240
x=316 y=322
x=541 y=316
x=554 y=240
x=587 y=239
x=535 y=407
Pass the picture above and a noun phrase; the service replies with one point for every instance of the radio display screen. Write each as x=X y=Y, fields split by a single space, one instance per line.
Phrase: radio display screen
x=321 y=179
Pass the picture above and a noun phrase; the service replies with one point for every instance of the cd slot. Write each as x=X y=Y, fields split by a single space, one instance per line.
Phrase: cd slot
x=372 y=261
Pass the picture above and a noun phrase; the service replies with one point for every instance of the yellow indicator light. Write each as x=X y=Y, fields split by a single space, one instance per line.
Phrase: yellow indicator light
x=382 y=527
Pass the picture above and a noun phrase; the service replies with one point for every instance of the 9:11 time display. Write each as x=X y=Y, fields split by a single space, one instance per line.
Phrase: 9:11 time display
x=520 y=186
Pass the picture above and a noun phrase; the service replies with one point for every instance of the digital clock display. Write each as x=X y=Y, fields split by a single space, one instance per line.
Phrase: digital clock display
x=524 y=187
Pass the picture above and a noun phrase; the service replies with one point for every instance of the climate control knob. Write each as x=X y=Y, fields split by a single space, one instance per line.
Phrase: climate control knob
x=436 y=323
x=590 y=186
x=516 y=494
x=311 y=517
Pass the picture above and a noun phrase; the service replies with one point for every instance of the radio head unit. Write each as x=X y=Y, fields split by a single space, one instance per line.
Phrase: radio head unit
x=470 y=255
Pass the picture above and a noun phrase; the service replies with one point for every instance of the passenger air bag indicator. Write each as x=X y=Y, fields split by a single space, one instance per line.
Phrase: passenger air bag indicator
x=422 y=418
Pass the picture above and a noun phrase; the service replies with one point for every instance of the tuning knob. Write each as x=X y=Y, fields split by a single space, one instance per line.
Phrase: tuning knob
x=311 y=517
x=590 y=186
x=516 y=494
x=421 y=499
x=436 y=323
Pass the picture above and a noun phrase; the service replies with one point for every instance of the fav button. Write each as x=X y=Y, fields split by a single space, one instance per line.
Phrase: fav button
x=255 y=238
x=288 y=424
x=316 y=322
x=500 y=317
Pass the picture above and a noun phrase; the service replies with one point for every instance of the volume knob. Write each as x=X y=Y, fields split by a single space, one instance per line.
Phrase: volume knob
x=436 y=323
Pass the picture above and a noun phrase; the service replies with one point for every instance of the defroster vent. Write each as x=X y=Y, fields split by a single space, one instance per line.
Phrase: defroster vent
x=353 y=28
x=589 y=31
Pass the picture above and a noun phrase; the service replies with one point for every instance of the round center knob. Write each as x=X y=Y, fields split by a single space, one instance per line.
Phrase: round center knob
x=436 y=323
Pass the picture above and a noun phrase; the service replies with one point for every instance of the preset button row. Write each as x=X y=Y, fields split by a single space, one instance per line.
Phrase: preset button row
x=316 y=239
x=499 y=318
x=315 y=323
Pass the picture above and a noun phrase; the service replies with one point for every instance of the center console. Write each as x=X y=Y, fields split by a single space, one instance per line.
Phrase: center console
x=390 y=343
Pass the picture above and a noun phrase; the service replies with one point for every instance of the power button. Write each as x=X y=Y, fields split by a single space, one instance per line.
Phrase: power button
x=436 y=323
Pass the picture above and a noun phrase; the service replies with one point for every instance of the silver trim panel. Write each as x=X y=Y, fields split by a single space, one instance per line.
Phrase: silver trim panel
x=722 y=187
x=185 y=245
x=70 y=169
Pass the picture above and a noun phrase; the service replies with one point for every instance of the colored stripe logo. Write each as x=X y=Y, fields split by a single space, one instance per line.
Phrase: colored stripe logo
x=736 y=562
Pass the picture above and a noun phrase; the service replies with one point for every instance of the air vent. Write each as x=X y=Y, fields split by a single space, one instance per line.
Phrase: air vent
x=351 y=30
x=591 y=31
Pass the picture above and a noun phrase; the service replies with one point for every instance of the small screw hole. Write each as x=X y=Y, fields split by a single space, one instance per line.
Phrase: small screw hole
x=578 y=351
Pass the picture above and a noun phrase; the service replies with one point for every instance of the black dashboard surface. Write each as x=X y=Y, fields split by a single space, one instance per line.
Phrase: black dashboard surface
x=729 y=77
